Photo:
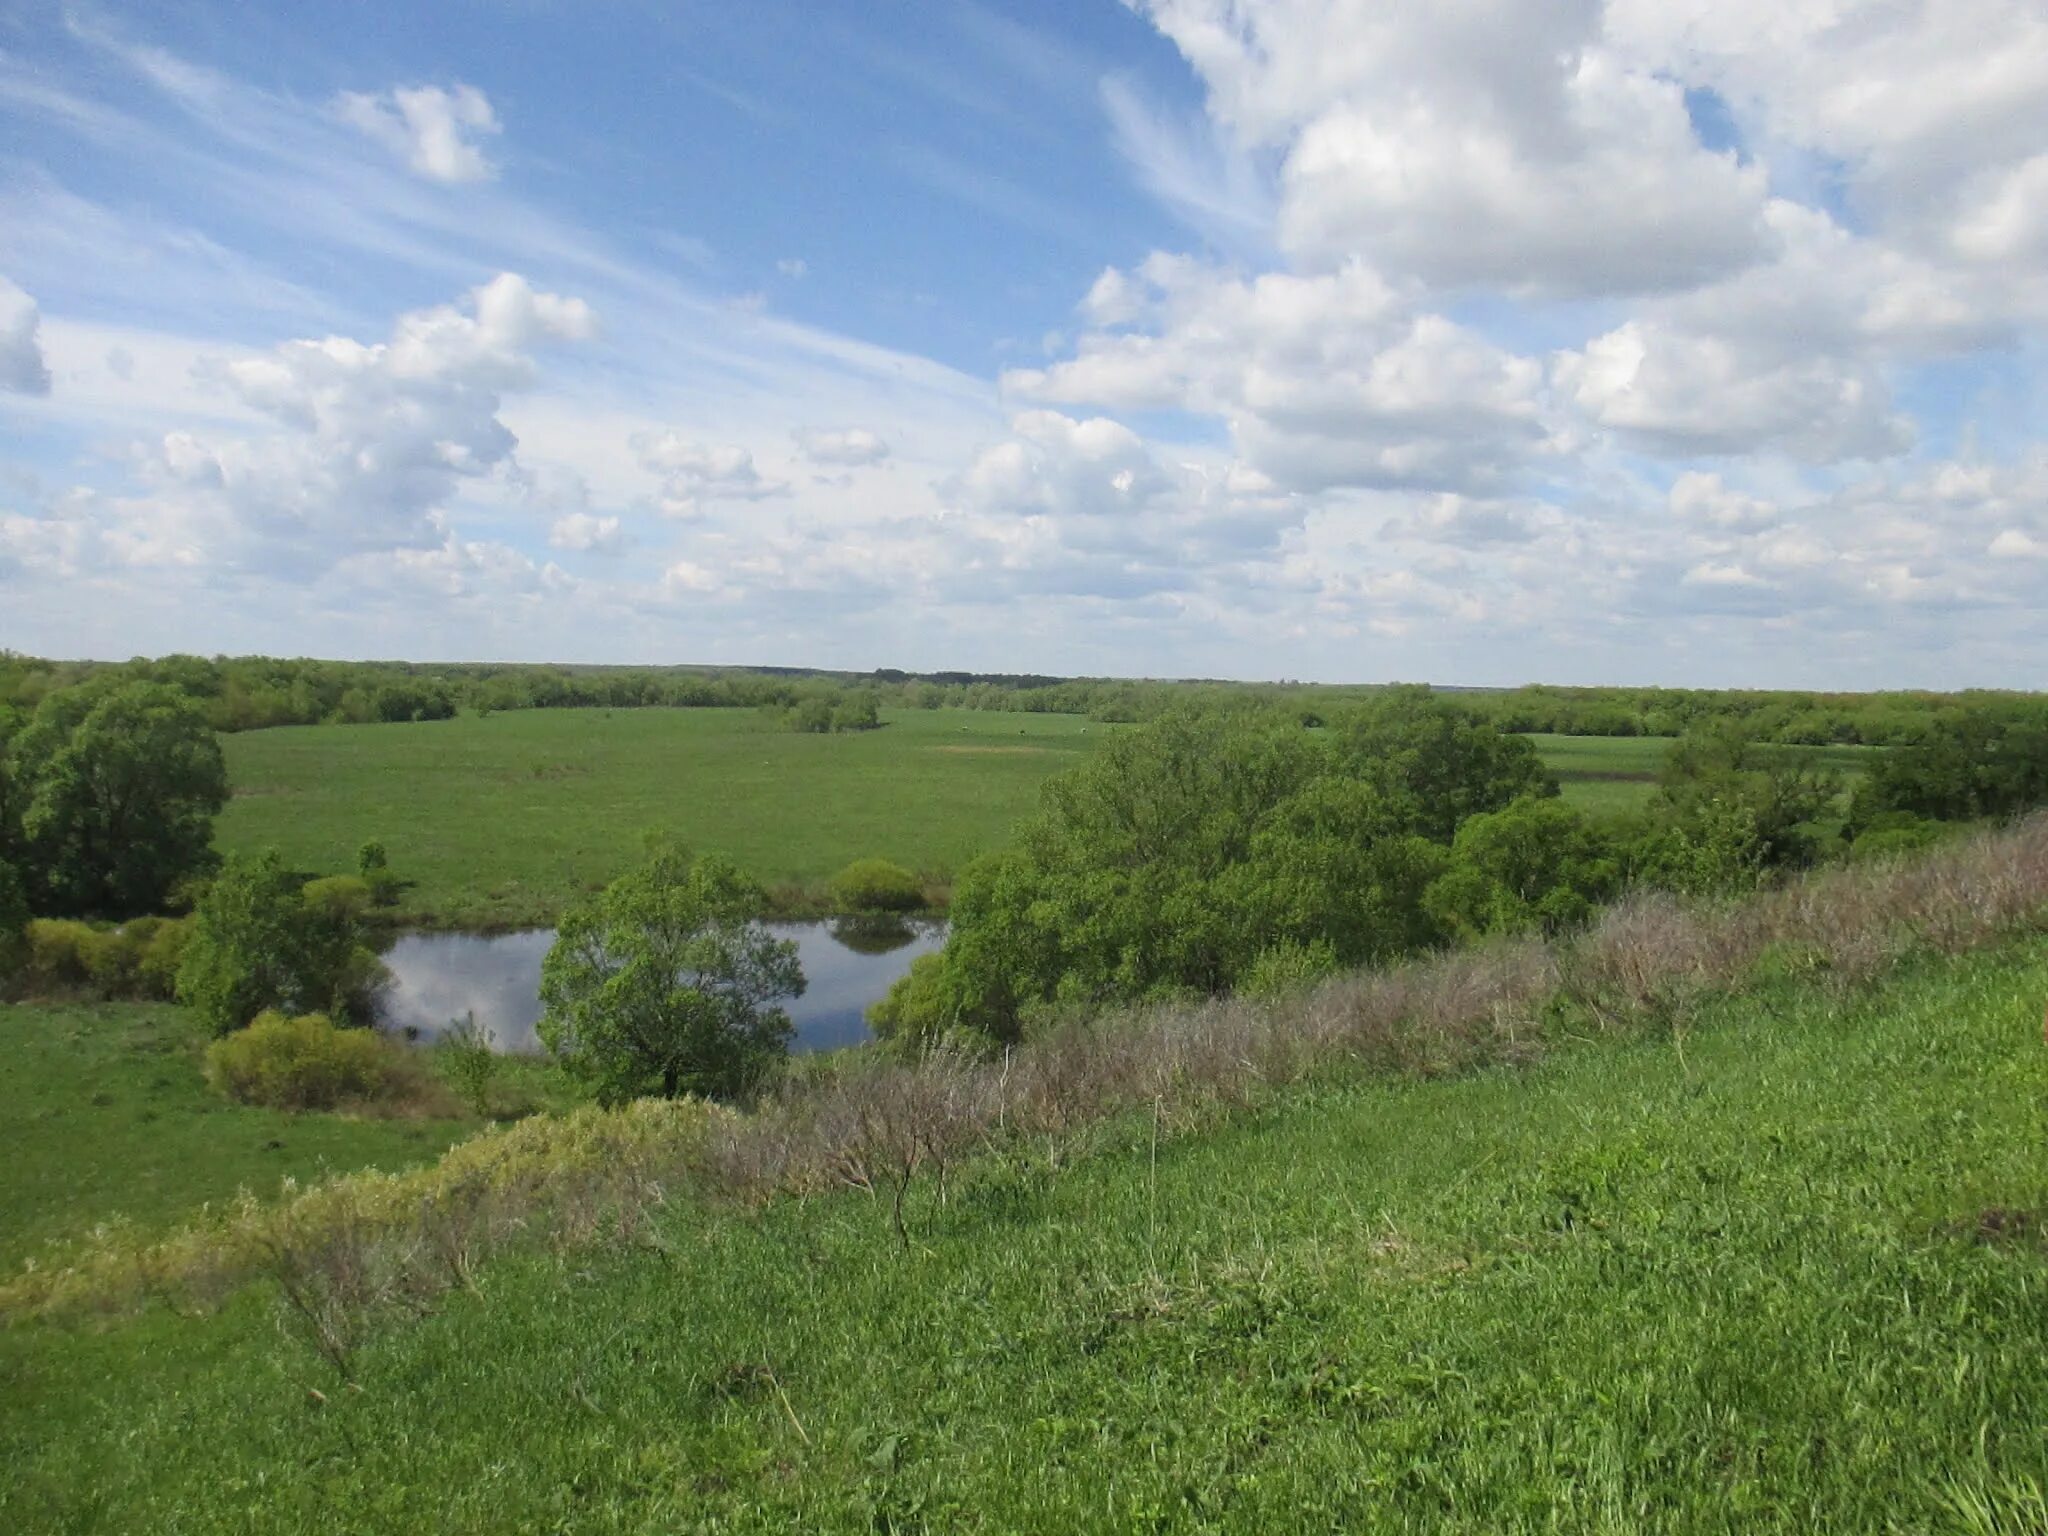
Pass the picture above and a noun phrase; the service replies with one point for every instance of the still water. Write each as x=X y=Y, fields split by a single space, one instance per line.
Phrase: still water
x=439 y=977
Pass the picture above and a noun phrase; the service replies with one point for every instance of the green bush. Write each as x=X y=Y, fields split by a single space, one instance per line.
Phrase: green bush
x=468 y=1062
x=163 y=951
x=113 y=958
x=58 y=952
x=876 y=885
x=1288 y=967
x=137 y=960
x=344 y=897
x=913 y=1013
x=301 y=1063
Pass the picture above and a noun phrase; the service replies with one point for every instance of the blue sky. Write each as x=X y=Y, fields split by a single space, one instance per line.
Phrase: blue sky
x=1618 y=340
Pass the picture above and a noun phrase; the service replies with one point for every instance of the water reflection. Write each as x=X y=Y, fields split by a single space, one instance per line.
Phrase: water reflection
x=438 y=977
x=873 y=935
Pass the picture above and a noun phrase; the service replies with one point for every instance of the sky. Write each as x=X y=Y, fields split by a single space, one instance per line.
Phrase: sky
x=1690 y=342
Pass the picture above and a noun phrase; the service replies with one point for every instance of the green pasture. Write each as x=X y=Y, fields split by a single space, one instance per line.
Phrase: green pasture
x=1785 y=1274
x=504 y=819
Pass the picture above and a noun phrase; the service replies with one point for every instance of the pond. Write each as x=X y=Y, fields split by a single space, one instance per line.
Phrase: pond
x=442 y=977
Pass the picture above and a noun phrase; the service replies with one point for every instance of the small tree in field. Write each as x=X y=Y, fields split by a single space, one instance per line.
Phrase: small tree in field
x=665 y=983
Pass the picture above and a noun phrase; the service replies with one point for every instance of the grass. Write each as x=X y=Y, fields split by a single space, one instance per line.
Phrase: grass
x=1790 y=1277
x=109 y=1117
x=502 y=821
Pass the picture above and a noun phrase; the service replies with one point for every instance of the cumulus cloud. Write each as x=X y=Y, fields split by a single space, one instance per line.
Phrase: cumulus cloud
x=373 y=440
x=588 y=533
x=694 y=475
x=22 y=368
x=435 y=131
x=847 y=448
x=1332 y=379
x=1492 y=144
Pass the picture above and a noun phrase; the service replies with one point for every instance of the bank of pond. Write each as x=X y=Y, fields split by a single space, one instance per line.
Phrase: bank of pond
x=442 y=978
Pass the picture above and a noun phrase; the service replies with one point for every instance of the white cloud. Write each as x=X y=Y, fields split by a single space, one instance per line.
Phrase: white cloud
x=587 y=532
x=22 y=368
x=695 y=474
x=435 y=131
x=1493 y=144
x=849 y=447
x=373 y=440
x=793 y=267
x=1326 y=380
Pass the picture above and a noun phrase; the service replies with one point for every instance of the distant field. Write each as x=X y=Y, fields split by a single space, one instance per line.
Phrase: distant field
x=1611 y=775
x=503 y=820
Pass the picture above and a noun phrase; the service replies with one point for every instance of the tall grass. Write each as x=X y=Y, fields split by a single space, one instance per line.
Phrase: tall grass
x=363 y=1246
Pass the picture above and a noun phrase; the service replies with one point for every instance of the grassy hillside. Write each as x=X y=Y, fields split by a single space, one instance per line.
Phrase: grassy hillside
x=501 y=821
x=1789 y=1275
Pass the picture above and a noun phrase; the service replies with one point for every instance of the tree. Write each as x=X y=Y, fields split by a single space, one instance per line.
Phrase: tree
x=1718 y=788
x=1532 y=864
x=118 y=788
x=666 y=983
x=1179 y=854
x=1440 y=762
x=257 y=944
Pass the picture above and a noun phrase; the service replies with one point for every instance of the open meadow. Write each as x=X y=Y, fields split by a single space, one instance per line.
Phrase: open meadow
x=502 y=820
x=1785 y=1274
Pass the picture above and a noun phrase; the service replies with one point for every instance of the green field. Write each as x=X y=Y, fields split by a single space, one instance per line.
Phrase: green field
x=1791 y=1278
x=500 y=821
x=109 y=1117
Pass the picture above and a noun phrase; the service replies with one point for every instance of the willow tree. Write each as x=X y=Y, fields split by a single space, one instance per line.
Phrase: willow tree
x=667 y=983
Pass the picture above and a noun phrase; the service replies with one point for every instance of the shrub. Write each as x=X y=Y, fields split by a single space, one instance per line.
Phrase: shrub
x=913 y=1012
x=1288 y=967
x=876 y=885
x=59 y=952
x=301 y=1063
x=469 y=1063
x=1895 y=832
x=344 y=897
x=162 y=953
